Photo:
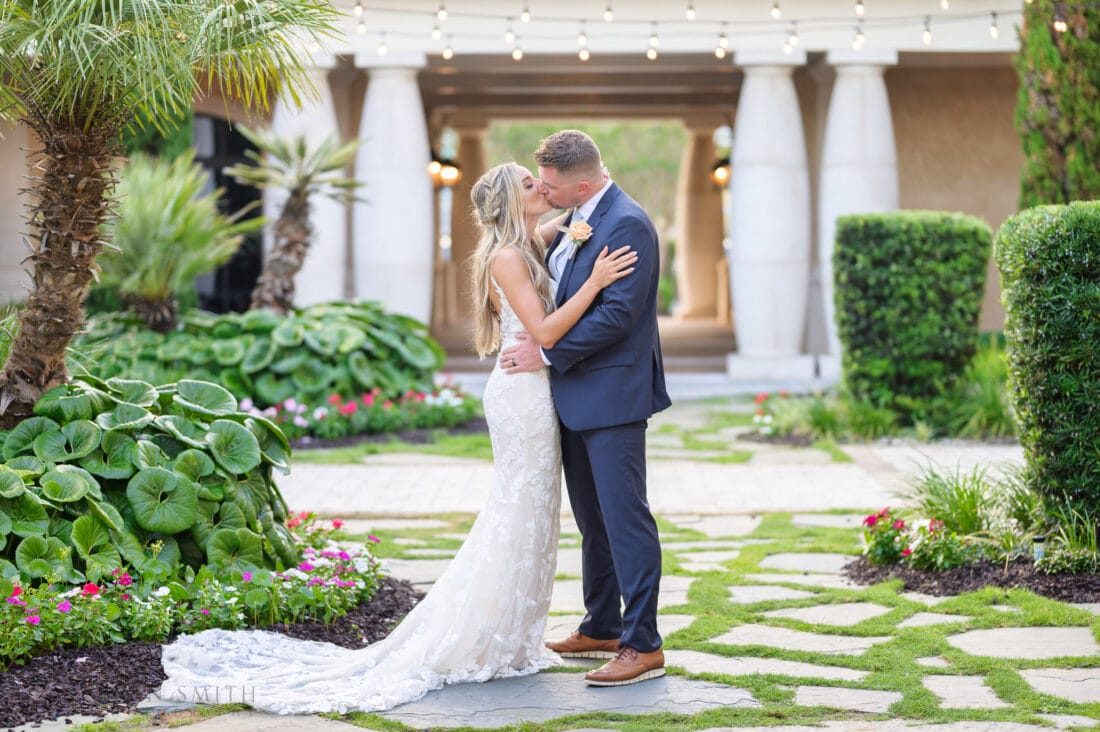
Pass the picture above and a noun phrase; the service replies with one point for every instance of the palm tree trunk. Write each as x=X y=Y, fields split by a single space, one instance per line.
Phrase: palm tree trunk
x=275 y=288
x=71 y=199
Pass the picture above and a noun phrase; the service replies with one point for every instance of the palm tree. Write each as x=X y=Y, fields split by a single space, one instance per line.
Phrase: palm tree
x=170 y=231
x=76 y=72
x=291 y=164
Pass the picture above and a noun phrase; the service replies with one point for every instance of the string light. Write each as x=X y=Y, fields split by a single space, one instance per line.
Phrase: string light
x=651 y=53
x=994 y=33
x=654 y=41
x=584 y=54
x=509 y=34
x=723 y=44
x=517 y=53
x=857 y=41
x=927 y=35
x=582 y=37
x=437 y=33
x=358 y=9
x=382 y=48
x=448 y=51
x=361 y=26
x=859 y=8
x=719 y=52
x=792 y=37
x=608 y=15
x=690 y=12
x=945 y=4
x=776 y=12
x=525 y=16
x=441 y=13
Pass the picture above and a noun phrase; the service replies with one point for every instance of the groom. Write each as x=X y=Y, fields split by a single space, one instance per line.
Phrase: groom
x=607 y=379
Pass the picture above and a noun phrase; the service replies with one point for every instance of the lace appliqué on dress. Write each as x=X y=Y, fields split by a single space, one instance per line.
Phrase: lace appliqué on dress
x=483 y=619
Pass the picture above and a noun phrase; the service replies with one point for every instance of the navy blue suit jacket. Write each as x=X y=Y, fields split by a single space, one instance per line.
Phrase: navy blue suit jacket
x=607 y=369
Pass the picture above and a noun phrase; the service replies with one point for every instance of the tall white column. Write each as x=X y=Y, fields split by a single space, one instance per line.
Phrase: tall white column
x=319 y=279
x=393 y=226
x=14 y=280
x=769 y=222
x=699 y=225
x=859 y=164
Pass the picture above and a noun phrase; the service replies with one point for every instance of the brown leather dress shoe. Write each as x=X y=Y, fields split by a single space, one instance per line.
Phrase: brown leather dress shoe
x=629 y=667
x=579 y=645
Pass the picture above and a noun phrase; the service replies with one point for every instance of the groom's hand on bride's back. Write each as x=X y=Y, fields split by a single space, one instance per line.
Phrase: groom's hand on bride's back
x=523 y=356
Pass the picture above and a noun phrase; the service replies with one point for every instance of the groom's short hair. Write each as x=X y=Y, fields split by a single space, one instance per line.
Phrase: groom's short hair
x=569 y=151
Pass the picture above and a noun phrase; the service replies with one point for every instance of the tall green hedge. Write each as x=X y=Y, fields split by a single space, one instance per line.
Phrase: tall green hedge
x=908 y=294
x=1058 y=109
x=1049 y=259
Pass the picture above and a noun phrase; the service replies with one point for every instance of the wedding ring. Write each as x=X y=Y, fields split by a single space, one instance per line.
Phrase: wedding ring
x=513 y=363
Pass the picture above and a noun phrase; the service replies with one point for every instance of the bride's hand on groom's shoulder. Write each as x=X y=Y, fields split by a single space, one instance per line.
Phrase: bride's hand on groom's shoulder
x=522 y=357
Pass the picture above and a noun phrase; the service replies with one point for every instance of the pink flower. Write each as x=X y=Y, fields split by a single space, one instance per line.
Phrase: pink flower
x=314 y=581
x=334 y=399
x=124 y=596
x=337 y=523
x=64 y=606
x=387 y=404
x=125 y=580
x=870 y=521
x=368 y=399
x=349 y=408
x=246 y=404
x=34 y=619
x=15 y=601
x=761 y=398
x=16 y=591
x=306 y=567
x=906 y=551
x=373 y=538
x=89 y=589
x=204 y=611
x=246 y=576
x=899 y=524
x=344 y=555
x=300 y=421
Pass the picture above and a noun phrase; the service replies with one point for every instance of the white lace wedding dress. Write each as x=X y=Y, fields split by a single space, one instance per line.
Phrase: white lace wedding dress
x=483 y=619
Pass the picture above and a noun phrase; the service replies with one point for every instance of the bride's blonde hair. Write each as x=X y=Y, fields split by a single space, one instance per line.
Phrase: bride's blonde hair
x=499 y=211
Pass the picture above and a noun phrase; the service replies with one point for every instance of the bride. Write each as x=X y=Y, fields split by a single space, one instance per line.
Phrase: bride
x=484 y=618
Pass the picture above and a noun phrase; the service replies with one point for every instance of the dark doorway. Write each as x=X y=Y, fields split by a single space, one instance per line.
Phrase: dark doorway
x=217 y=145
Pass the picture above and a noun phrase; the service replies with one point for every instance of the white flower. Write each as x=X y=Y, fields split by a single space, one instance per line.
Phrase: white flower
x=296 y=574
x=161 y=591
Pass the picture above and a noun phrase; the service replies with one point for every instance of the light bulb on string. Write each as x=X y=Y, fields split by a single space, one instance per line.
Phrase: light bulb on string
x=582 y=37
x=859 y=8
x=690 y=12
x=608 y=14
x=858 y=39
x=994 y=32
x=927 y=35
x=383 y=49
x=792 y=36
x=654 y=40
x=945 y=4
x=584 y=54
x=358 y=9
x=776 y=12
x=509 y=34
x=723 y=41
x=361 y=27
x=437 y=33
x=448 y=51
x=441 y=14
x=525 y=16
x=651 y=53
x=788 y=48
x=719 y=52
x=517 y=53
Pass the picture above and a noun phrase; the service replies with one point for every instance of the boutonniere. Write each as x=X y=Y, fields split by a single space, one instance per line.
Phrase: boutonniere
x=579 y=232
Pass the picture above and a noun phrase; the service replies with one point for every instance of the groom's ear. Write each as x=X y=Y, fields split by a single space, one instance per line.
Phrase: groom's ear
x=583 y=187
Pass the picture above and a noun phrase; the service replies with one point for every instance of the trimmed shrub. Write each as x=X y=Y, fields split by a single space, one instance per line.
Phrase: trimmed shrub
x=908 y=294
x=309 y=355
x=1049 y=259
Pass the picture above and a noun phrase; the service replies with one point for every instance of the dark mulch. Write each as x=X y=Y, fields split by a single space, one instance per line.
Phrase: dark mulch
x=1020 y=573
x=475 y=426
x=101 y=680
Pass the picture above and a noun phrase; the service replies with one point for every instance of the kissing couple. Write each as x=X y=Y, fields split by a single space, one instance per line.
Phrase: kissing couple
x=578 y=375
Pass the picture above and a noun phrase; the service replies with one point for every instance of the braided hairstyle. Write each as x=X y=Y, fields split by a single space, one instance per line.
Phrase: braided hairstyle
x=498 y=208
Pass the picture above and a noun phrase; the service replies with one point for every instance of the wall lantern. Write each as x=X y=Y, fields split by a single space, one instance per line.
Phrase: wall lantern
x=720 y=173
x=445 y=173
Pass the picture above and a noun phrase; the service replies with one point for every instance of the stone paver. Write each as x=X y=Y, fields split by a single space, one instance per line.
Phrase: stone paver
x=1065 y=721
x=962 y=692
x=830 y=581
x=934 y=662
x=918 y=620
x=672 y=545
x=807 y=562
x=1081 y=685
x=829 y=520
x=253 y=721
x=417 y=571
x=700 y=663
x=541 y=697
x=748 y=594
x=406 y=541
x=892 y=725
x=365 y=526
x=1039 y=642
x=797 y=640
x=706 y=561
x=841 y=614
x=569 y=561
x=560 y=626
x=1092 y=607
x=431 y=553
x=717 y=526
x=856 y=700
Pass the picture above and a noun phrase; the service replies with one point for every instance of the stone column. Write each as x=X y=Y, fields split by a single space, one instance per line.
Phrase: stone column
x=320 y=277
x=14 y=280
x=700 y=227
x=393 y=226
x=859 y=166
x=769 y=222
x=464 y=231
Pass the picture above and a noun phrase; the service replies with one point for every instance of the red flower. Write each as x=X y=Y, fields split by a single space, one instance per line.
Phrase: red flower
x=334 y=399
x=884 y=512
x=349 y=408
x=89 y=589
x=368 y=399
x=899 y=524
x=761 y=398
x=293 y=523
x=125 y=596
x=16 y=591
x=906 y=551
x=337 y=523
x=870 y=521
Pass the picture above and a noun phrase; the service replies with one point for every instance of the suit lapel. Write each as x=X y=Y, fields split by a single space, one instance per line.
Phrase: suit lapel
x=593 y=221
